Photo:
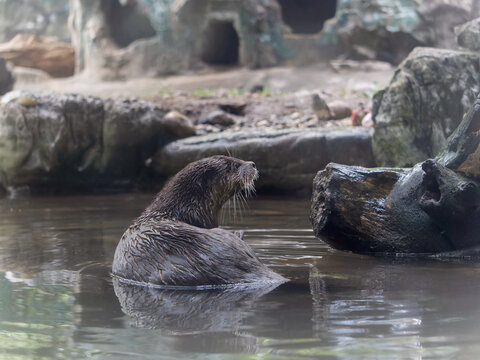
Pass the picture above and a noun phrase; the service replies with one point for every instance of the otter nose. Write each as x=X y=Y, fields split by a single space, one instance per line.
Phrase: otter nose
x=252 y=164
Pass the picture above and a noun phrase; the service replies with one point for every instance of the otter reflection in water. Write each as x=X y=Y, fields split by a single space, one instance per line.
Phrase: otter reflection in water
x=187 y=311
x=177 y=242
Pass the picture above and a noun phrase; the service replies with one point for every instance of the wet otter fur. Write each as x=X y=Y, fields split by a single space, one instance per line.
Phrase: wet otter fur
x=176 y=240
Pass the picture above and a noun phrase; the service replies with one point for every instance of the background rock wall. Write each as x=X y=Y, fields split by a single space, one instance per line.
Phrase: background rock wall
x=40 y=17
x=117 y=39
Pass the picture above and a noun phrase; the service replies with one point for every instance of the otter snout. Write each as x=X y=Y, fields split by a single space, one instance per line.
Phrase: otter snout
x=249 y=170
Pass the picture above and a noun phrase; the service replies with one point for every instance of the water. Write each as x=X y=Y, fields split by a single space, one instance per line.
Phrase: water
x=57 y=300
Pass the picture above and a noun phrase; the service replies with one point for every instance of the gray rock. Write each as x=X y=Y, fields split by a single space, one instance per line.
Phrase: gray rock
x=179 y=124
x=70 y=142
x=387 y=34
x=423 y=104
x=287 y=159
x=218 y=118
x=439 y=19
x=6 y=78
x=389 y=30
x=468 y=35
x=320 y=107
x=334 y=110
x=339 y=110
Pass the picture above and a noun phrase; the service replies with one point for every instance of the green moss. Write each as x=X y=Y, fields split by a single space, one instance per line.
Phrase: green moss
x=203 y=92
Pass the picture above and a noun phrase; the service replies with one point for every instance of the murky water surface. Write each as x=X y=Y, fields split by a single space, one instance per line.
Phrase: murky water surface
x=57 y=300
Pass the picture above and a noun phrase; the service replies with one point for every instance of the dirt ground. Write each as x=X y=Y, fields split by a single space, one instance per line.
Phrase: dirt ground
x=276 y=97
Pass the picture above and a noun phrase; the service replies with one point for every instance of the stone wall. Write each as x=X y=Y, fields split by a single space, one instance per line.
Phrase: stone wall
x=40 y=17
x=127 y=38
x=174 y=35
x=117 y=39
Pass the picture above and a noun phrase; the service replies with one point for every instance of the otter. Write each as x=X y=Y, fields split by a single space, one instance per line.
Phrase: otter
x=176 y=241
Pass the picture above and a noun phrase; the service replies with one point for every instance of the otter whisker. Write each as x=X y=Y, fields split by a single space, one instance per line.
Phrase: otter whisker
x=241 y=203
x=234 y=209
x=249 y=189
x=243 y=200
x=224 y=212
x=238 y=202
x=229 y=210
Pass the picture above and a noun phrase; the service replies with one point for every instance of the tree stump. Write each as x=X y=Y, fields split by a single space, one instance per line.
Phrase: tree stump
x=433 y=207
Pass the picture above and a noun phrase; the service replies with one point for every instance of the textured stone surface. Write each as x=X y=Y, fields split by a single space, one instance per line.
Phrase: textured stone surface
x=122 y=39
x=179 y=124
x=40 y=17
x=468 y=35
x=70 y=142
x=389 y=30
x=423 y=104
x=377 y=29
x=287 y=159
x=219 y=118
x=109 y=43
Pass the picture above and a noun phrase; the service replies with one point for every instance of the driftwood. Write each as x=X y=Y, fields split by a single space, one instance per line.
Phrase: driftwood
x=48 y=54
x=431 y=208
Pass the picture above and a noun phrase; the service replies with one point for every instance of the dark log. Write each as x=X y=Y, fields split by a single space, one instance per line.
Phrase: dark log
x=433 y=207
x=462 y=152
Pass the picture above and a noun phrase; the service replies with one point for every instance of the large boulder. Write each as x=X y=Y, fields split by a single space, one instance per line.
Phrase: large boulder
x=423 y=104
x=439 y=19
x=287 y=159
x=6 y=78
x=378 y=30
x=468 y=35
x=72 y=142
x=389 y=30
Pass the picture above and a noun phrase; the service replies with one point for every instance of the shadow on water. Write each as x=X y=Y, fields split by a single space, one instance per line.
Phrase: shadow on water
x=57 y=299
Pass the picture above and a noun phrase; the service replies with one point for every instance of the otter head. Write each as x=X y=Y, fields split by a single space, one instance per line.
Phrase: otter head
x=197 y=193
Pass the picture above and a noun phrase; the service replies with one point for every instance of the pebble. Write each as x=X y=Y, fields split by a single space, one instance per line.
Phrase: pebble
x=179 y=124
